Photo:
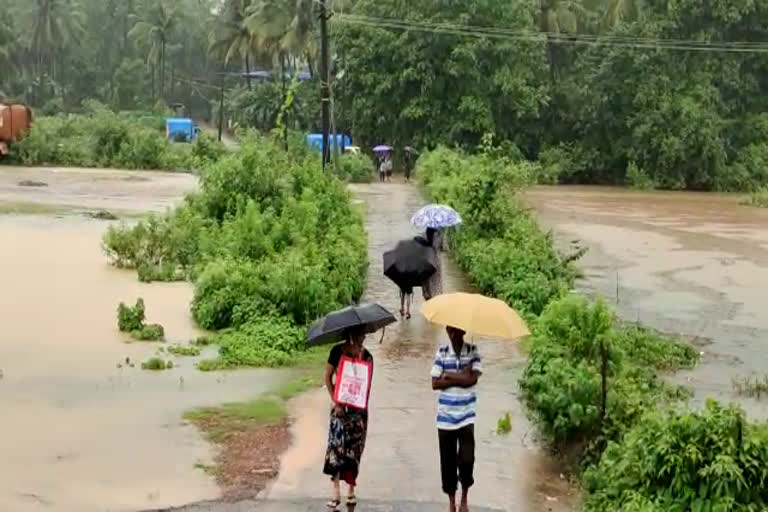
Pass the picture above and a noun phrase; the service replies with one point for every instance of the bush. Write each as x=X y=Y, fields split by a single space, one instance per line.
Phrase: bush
x=182 y=350
x=706 y=460
x=151 y=332
x=270 y=236
x=758 y=198
x=266 y=341
x=354 y=168
x=156 y=364
x=638 y=178
x=499 y=244
x=130 y=318
x=105 y=139
x=574 y=344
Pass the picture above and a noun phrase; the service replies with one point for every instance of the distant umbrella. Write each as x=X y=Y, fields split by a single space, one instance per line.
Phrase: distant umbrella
x=331 y=328
x=409 y=149
x=436 y=216
x=409 y=264
x=382 y=148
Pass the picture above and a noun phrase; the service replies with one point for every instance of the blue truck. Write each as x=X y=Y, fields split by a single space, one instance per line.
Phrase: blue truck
x=180 y=129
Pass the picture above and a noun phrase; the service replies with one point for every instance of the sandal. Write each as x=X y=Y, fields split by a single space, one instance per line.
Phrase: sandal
x=334 y=505
x=351 y=501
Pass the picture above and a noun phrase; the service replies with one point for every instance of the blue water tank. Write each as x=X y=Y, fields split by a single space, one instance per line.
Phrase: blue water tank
x=179 y=128
x=315 y=141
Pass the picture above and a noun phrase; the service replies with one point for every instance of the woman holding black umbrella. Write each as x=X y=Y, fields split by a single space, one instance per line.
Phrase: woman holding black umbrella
x=348 y=377
x=348 y=426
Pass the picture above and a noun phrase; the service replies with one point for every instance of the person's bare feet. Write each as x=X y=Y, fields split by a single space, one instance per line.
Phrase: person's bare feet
x=451 y=503
x=464 y=507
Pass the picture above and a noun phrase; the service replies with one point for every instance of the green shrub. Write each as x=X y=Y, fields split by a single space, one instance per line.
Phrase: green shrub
x=758 y=198
x=573 y=344
x=266 y=341
x=269 y=236
x=354 y=168
x=638 y=178
x=156 y=364
x=130 y=318
x=499 y=245
x=704 y=460
x=182 y=350
x=150 y=332
x=105 y=139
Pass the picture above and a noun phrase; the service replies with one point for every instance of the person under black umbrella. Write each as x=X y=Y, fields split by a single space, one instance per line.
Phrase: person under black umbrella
x=408 y=265
x=348 y=426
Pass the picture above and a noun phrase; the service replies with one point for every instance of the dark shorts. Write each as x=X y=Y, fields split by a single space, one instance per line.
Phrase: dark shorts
x=457 y=458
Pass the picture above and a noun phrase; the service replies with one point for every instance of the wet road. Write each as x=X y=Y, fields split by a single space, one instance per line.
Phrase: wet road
x=691 y=263
x=401 y=458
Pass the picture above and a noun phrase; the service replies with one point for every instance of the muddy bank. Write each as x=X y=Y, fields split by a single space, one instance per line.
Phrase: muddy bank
x=690 y=263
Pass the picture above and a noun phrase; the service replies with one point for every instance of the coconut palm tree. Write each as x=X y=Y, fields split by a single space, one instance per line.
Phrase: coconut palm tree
x=233 y=37
x=56 y=24
x=618 y=11
x=152 y=30
x=558 y=19
x=282 y=27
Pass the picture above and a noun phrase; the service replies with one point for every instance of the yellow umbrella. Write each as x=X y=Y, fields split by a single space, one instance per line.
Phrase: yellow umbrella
x=475 y=314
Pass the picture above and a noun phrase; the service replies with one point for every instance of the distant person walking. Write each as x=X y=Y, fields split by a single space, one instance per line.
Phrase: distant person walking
x=455 y=372
x=410 y=162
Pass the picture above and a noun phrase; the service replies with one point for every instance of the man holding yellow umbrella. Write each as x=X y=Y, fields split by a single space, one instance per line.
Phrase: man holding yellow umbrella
x=455 y=372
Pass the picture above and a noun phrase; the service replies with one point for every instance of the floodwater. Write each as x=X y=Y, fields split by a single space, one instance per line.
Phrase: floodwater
x=401 y=458
x=689 y=263
x=79 y=433
x=94 y=189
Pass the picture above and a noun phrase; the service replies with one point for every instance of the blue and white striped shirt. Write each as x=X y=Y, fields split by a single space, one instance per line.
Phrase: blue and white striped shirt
x=456 y=407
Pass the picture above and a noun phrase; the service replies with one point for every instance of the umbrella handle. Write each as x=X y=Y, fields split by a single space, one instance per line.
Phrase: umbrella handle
x=382 y=335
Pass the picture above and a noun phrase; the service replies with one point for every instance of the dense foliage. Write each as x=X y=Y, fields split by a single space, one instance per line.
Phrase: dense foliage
x=101 y=138
x=704 y=460
x=622 y=110
x=577 y=343
x=499 y=243
x=271 y=243
x=130 y=319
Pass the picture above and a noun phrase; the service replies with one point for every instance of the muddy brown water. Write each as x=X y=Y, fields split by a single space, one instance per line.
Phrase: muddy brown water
x=401 y=458
x=687 y=263
x=80 y=434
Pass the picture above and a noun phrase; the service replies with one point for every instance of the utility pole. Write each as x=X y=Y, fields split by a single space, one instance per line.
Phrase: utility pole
x=325 y=92
x=221 y=108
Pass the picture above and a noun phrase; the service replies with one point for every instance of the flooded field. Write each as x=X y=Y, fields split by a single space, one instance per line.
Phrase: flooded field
x=81 y=434
x=690 y=263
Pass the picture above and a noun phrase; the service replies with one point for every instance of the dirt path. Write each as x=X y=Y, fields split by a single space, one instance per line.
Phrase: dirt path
x=681 y=262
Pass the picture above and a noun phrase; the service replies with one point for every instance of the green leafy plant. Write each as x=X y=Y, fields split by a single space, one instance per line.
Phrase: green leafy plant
x=672 y=460
x=758 y=198
x=130 y=318
x=151 y=332
x=182 y=350
x=504 y=425
x=156 y=364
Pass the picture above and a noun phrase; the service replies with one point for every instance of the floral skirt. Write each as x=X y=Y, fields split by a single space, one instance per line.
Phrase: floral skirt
x=346 y=442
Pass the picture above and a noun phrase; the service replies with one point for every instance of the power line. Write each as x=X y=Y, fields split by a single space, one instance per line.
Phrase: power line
x=552 y=37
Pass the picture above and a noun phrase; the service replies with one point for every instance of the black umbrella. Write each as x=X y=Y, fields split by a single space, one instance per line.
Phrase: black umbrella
x=330 y=328
x=409 y=264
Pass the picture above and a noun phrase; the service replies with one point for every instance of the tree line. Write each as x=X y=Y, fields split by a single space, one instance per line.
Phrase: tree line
x=652 y=93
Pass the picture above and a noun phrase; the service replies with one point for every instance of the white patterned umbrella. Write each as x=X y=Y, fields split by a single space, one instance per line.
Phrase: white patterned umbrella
x=436 y=216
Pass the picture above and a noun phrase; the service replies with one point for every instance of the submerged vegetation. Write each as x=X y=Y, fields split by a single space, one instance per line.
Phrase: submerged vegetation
x=131 y=319
x=758 y=198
